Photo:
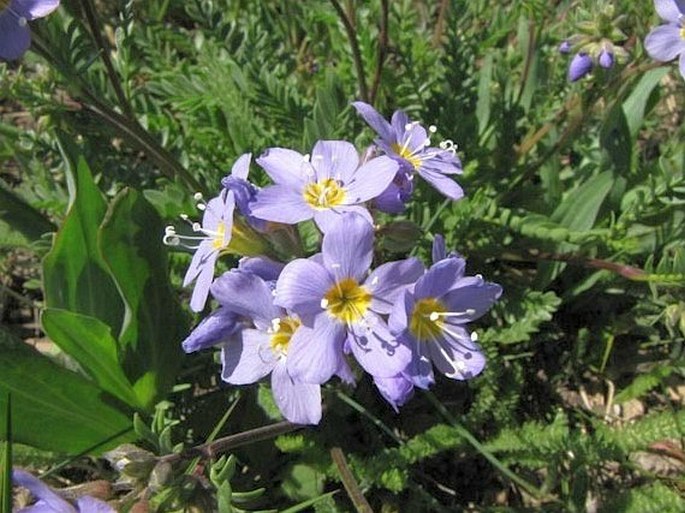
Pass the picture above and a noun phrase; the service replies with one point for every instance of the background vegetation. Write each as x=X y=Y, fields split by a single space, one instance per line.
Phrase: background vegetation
x=574 y=204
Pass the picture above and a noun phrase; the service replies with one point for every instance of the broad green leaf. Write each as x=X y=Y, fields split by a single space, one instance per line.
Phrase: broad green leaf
x=577 y=212
x=53 y=408
x=74 y=275
x=21 y=216
x=154 y=326
x=89 y=341
x=616 y=141
x=636 y=106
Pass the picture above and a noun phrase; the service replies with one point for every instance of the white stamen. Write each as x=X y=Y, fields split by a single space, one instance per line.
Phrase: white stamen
x=324 y=303
x=459 y=365
x=197 y=196
x=408 y=126
x=184 y=217
x=306 y=157
x=474 y=337
x=432 y=129
x=22 y=21
x=197 y=227
x=375 y=280
x=434 y=316
x=201 y=206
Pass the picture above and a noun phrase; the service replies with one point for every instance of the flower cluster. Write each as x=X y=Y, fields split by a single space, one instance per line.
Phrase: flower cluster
x=667 y=42
x=15 y=36
x=598 y=43
x=304 y=321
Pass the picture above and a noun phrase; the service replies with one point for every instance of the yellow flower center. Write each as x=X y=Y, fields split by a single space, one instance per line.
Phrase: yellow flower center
x=682 y=32
x=324 y=194
x=407 y=155
x=347 y=301
x=4 y=4
x=281 y=337
x=424 y=324
x=218 y=240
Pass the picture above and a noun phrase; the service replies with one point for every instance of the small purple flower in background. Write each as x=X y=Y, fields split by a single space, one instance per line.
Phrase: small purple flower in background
x=430 y=319
x=15 y=35
x=50 y=502
x=341 y=307
x=409 y=144
x=606 y=58
x=581 y=65
x=666 y=42
x=565 y=47
x=216 y=231
x=322 y=187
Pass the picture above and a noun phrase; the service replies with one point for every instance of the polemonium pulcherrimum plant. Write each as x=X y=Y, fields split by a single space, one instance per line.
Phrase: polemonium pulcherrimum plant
x=667 y=42
x=15 y=35
x=306 y=320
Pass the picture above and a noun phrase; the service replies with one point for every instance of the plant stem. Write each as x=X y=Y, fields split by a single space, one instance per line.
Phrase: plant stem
x=209 y=450
x=91 y=17
x=356 y=53
x=382 y=51
x=351 y=486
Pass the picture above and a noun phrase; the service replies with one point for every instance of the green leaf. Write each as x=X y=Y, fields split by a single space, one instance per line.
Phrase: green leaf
x=53 y=408
x=89 y=341
x=636 y=105
x=154 y=326
x=21 y=216
x=615 y=140
x=74 y=275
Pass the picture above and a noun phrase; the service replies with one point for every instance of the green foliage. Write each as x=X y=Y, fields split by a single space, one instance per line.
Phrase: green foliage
x=574 y=204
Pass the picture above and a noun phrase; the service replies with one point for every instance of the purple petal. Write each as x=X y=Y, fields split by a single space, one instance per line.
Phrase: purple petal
x=439 y=251
x=14 y=38
x=301 y=287
x=376 y=350
x=670 y=10
x=444 y=184
x=214 y=329
x=397 y=390
x=334 y=159
x=248 y=359
x=32 y=9
x=218 y=211
x=398 y=321
x=389 y=281
x=201 y=269
x=285 y=167
x=281 y=204
x=315 y=354
x=456 y=355
x=440 y=278
x=420 y=369
x=241 y=167
x=391 y=200
x=375 y=121
x=41 y=491
x=248 y=295
x=473 y=297
x=664 y=43
x=348 y=248
x=87 y=504
x=300 y=403
x=370 y=180
x=565 y=47
x=327 y=219
x=399 y=122
x=262 y=266
x=580 y=66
